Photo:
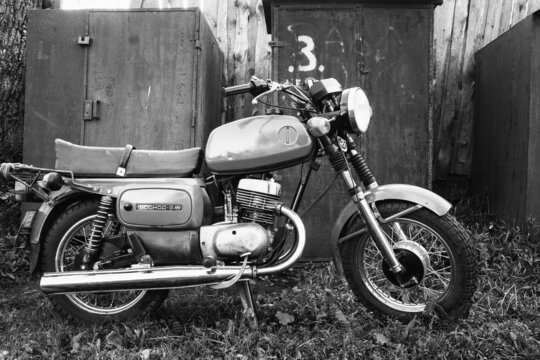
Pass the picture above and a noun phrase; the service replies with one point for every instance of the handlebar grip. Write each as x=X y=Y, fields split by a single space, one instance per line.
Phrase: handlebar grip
x=237 y=89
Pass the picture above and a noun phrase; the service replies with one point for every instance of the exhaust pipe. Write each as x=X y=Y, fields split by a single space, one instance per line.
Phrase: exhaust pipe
x=136 y=279
x=165 y=277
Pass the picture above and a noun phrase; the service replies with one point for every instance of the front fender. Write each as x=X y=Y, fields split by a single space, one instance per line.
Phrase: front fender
x=45 y=217
x=410 y=193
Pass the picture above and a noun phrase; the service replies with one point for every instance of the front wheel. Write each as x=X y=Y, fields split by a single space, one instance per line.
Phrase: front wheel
x=63 y=250
x=436 y=252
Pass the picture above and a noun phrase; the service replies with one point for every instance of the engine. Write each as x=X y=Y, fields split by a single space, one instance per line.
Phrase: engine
x=257 y=200
x=253 y=233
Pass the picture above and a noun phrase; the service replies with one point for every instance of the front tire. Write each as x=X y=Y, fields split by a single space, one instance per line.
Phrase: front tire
x=435 y=249
x=62 y=250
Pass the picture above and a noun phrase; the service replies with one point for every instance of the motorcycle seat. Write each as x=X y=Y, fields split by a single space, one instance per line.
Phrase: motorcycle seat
x=103 y=162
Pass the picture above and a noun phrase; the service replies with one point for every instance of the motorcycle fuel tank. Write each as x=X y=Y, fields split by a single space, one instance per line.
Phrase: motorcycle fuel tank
x=258 y=143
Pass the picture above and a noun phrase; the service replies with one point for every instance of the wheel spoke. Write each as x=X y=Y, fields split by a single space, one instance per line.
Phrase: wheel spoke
x=72 y=244
x=430 y=248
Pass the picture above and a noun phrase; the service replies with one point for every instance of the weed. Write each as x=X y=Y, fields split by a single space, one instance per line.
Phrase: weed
x=307 y=313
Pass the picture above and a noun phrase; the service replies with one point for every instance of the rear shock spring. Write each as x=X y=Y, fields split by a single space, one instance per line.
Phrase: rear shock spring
x=93 y=242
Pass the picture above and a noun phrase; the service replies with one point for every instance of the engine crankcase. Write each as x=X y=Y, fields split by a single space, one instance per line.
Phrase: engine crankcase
x=224 y=241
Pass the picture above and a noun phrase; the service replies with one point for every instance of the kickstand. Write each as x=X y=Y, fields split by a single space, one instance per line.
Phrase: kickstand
x=244 y=290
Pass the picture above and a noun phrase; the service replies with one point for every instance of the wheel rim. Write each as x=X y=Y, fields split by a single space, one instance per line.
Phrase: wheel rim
x=438 y=275
x=70 y=247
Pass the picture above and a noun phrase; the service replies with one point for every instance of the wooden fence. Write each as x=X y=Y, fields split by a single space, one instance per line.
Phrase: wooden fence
x=461 y=28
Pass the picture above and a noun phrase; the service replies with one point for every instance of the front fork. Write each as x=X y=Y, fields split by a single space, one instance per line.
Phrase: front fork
x=381 y=241
x=339 y=163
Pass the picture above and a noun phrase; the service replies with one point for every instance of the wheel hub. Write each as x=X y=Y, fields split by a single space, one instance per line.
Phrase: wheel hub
x=414 y=258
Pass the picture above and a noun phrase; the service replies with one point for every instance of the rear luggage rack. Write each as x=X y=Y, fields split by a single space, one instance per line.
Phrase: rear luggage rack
x=31 y=176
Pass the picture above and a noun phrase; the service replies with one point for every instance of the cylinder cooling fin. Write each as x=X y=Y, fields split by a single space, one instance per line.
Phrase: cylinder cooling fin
x=257 y=199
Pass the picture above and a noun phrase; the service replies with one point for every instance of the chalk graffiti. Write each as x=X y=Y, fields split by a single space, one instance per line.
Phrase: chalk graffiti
x=317 y=56
x=308 y=52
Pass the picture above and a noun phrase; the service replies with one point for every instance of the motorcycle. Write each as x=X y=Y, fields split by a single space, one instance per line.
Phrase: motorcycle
x=120 y=227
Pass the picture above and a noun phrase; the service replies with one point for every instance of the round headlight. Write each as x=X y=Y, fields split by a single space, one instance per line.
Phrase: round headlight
x=356 y=104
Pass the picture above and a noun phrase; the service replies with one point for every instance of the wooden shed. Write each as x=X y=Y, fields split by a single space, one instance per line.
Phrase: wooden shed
x=383 y=46
x=506 y=157
x=386 y=48
x=151 y=84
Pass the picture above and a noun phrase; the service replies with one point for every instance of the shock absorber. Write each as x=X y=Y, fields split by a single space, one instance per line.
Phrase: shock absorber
x=93 y=242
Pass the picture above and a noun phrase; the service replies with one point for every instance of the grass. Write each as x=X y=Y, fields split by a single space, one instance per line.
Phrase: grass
x=306 y=313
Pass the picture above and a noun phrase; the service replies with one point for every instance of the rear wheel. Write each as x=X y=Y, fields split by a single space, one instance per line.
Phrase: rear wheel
x=63 y=250
x=436 y=252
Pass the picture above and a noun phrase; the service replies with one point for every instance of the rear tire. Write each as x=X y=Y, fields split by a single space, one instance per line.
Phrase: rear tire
x=441 y=253
x=62 y=248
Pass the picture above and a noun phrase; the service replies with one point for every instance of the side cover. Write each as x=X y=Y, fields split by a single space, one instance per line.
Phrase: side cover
x=161 y=207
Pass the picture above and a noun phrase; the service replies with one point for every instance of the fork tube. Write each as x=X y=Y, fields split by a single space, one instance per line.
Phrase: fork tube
x=339 y=163
x=371 y=221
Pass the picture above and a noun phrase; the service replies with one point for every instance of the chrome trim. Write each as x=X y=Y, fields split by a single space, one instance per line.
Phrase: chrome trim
x=136 y=279
x=400 y=214
x=114 y=186
x=413 y=194
x=165 y=277
x=410 y=193
x=379 y=237
x=300 y=243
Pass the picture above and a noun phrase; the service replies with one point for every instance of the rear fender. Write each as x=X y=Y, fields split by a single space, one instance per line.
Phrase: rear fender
x=409 y=193
x=45 y=217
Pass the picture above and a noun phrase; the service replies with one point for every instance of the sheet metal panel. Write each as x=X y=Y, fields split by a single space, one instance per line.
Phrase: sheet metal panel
x=394 y=65
x=506 y=157
x=386 y=49
x=155 y=75
x=53 y=83
x=143 y=78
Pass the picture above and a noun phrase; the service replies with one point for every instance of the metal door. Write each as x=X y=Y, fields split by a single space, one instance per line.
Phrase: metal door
x=141 y=73
x=53 y=91
x=316 y=42
x=386 y=51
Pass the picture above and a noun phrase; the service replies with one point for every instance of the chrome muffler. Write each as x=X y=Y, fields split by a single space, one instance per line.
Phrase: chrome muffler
x=136 y=279
x=166 y=277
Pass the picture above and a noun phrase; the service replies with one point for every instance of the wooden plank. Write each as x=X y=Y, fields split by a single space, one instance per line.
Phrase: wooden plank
x=491 y=30
x=451 y=89
x=505 y=17
x=263 y=52
x=461 y=160
x=533 y=6
x=519 y=11
x=442 y=49
x=244 y=52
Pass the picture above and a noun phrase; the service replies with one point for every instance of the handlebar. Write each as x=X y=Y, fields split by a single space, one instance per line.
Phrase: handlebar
x=255 y=87
x=260 y=88
x=237 y=89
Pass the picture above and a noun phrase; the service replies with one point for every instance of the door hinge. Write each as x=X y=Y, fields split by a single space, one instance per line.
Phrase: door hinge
x=91 y=110
x=194 y=119
x=276 y=44
x=198 y=44
x=83 y=40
